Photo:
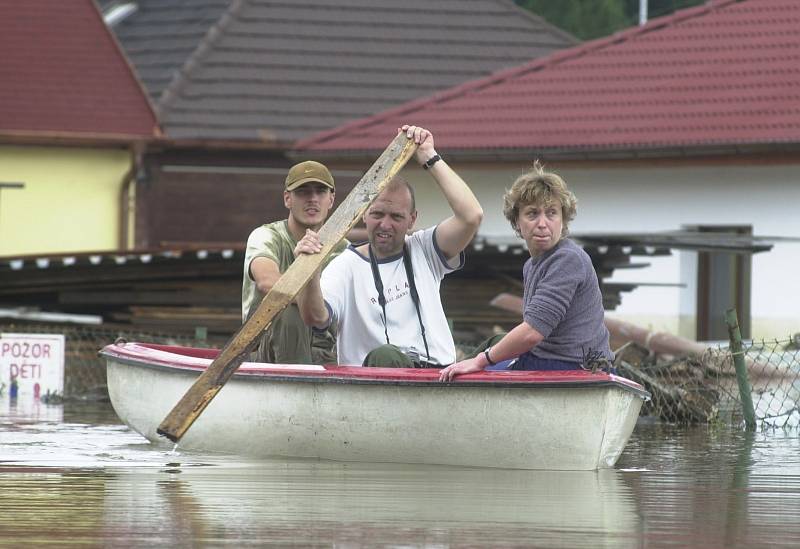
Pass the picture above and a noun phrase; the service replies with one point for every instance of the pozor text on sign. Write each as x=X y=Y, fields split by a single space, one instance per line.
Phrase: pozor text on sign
x=34 y=361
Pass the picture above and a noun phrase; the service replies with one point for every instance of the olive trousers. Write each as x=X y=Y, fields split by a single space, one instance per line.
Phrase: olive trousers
x=289 y=341
x=389 y=356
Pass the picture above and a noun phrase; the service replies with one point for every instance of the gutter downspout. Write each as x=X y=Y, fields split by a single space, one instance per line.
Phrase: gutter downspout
x=127 y=199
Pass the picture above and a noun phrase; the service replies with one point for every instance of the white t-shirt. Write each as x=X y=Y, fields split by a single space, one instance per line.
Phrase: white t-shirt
x=352 y=300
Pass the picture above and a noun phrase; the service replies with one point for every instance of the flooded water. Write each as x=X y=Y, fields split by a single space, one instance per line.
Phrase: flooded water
x=71 y=474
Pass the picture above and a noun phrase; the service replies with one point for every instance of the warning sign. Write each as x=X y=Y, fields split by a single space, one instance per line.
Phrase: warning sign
x=32 y=364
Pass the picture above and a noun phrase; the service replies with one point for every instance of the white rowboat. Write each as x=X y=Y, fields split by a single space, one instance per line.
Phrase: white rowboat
x=571 y=420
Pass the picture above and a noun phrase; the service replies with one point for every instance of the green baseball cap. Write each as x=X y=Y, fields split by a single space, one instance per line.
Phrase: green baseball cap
x=306 y=172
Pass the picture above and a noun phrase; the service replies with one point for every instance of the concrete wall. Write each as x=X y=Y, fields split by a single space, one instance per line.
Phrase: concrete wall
x=660 y=196
x=70 y=203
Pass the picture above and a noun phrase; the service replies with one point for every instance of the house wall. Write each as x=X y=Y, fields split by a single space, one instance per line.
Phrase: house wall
x=662 y=196
x=70 y=203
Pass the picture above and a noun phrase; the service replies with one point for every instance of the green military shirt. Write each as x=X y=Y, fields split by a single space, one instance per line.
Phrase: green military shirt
x=275 y=242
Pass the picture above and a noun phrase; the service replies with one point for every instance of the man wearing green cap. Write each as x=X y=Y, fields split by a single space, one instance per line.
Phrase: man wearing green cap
x=308 y=195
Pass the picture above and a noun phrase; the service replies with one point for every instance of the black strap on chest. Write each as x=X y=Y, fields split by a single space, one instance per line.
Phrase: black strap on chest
x=376 y=276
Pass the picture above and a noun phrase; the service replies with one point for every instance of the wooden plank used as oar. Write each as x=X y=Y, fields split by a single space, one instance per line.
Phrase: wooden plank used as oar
x=237 y=350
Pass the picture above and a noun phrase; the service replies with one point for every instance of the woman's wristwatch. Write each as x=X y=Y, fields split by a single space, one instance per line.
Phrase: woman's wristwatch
x=488 y=358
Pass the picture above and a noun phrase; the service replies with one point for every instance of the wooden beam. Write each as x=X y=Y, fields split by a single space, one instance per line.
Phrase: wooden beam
x=210 y=382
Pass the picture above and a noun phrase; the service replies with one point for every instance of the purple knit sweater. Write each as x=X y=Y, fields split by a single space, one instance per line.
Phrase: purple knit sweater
x=563 y=302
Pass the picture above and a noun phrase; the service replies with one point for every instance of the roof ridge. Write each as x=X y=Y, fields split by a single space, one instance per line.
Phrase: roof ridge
x=528 y=14
x=215 y=31
x=531 y=66
x=131 y=69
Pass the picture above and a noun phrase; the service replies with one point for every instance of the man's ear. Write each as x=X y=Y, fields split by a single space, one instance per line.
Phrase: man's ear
x=286 y=196
x=413 y=219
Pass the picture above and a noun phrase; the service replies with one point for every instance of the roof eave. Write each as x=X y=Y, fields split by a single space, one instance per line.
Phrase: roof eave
x=577 y=153
x=222 y=144
x=73 y=139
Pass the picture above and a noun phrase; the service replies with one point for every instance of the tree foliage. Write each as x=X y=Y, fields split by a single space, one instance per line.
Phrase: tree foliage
x=588 y=19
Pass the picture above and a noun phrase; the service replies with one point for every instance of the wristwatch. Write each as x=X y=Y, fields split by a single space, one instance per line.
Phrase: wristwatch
x=431 y=161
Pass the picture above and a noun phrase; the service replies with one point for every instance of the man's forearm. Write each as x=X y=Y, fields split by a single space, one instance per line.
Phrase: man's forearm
x=459 y=196
x=454 y=233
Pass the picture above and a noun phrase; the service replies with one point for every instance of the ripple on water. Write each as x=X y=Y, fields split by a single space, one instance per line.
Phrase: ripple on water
x=40 y=437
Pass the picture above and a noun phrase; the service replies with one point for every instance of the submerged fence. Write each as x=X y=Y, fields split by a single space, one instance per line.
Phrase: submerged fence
x=705 y=388
x=685 y=390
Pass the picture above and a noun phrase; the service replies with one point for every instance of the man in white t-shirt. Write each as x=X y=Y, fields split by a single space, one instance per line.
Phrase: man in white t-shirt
x=383 y=295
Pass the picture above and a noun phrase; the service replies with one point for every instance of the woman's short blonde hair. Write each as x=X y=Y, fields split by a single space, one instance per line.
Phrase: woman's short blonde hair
x=542 y=188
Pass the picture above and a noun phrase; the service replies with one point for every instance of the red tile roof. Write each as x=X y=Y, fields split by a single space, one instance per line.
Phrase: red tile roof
x=723 y=74
x=62 y=73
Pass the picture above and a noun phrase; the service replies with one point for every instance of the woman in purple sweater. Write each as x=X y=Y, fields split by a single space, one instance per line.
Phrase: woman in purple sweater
x=562 y=327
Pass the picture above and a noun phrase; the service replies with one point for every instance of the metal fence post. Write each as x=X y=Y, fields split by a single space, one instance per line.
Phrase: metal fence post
x=737 y=353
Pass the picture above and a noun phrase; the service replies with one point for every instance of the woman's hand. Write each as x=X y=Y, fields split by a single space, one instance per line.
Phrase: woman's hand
x=467 y=366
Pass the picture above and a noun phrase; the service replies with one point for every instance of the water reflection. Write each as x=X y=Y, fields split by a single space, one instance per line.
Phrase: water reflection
x=717 y=487
x=97 y=481
x=75 y=473
x=736 y=516
x=308 y=502
x=27 y=409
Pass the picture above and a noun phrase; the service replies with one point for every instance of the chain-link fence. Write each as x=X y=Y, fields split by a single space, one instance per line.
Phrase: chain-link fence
x=705 y=388
x=684 y=390
x=84 y=369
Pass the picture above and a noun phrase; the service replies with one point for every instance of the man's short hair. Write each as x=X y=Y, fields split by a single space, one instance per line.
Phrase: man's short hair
x=398 y=182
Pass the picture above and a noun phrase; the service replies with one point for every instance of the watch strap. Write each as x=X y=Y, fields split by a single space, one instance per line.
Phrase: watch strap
x=431 y=161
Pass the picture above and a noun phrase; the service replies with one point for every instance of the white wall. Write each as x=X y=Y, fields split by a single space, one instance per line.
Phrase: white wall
x=659 y=197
